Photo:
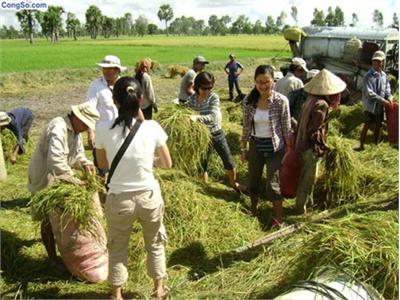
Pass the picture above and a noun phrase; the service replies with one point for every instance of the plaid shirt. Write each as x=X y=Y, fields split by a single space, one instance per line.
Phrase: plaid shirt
x=279 y=120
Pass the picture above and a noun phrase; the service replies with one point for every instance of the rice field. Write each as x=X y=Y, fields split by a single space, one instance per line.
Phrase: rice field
x=357 y=233
x=85 y=53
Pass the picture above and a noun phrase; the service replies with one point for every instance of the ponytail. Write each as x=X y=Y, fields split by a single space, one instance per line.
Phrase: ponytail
x=126 y=93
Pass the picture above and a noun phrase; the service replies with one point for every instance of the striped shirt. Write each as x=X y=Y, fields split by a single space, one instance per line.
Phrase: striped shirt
x=210 y=113
x=279 y=120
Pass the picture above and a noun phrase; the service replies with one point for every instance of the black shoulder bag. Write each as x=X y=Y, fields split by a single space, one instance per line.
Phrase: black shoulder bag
x=122 y=150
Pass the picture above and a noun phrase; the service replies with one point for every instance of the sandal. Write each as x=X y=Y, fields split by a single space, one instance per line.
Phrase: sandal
x=240 y=189
x=161 y=296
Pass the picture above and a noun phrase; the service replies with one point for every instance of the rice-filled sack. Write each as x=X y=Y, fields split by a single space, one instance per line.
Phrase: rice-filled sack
x=75 y=212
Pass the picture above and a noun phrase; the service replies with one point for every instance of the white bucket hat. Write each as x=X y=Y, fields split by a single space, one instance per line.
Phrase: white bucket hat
x=298 y=61
x=4 y=118
x=111 y=61
x=86 y=113
x=325 y=83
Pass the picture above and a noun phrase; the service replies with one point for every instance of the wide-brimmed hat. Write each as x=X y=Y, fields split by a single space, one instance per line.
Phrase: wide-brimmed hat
x=200 y=59
x=298 y=61
x=111 y=61
x=4 y=118
x=379 y=55
x=325 y=83
x=86 y=113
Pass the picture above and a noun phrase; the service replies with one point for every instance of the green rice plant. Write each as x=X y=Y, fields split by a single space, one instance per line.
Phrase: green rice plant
x=187 y=141
x=339 y=180
x=72 y=199
x=9 y=141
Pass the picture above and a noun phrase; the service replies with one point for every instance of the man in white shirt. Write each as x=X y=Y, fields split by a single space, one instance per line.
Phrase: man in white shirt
x=293 y=79
x=99 y=95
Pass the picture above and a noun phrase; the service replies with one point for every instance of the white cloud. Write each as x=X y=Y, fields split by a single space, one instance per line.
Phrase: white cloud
x=202 y=9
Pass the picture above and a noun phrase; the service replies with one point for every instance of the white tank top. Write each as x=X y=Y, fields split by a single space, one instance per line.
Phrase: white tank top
x=262 y=124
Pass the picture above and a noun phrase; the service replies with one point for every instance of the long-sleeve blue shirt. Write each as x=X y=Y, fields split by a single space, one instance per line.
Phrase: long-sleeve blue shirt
x=376 y=86
x=21 y=117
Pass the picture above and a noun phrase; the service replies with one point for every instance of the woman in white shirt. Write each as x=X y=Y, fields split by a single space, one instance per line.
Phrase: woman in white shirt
x=134 y=193
x=266 y=131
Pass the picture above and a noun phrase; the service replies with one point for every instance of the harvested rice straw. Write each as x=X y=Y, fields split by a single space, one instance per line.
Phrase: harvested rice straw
x=187 y=141
x=341 y=170
x=73 y=199
x=9 y=141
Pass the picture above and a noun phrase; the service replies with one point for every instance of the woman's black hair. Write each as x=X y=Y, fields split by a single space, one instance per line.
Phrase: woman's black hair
x=203 y=79
x=139 y=76
x=126 y=94
x=252 y=98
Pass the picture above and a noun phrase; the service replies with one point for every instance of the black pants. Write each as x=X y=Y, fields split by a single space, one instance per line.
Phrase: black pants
x=231 y=84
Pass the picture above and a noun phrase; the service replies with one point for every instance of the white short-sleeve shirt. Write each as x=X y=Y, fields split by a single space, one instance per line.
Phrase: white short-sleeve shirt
x=99 y=96
x=135 y=169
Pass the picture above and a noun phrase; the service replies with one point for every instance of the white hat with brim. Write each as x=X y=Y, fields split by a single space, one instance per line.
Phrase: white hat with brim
x=379 y=55
x=86 y=113
x=325 y=83
x=4 y=118
x=111 y=61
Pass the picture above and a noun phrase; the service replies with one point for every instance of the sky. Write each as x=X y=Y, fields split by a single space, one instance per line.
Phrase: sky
x=202 y=9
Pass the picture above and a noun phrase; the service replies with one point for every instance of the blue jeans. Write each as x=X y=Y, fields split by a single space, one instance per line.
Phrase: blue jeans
x=220 y=144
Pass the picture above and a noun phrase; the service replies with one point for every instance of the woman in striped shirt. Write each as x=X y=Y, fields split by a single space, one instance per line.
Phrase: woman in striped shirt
x=207 y=103
x=266 y=129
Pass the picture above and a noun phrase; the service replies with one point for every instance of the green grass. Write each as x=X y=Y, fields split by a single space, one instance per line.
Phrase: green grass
x=20 y=56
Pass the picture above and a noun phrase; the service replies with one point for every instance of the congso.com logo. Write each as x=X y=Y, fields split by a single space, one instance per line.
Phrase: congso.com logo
x=12 y=5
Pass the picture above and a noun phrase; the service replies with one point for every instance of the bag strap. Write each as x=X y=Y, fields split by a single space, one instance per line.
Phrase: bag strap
x=122 y=150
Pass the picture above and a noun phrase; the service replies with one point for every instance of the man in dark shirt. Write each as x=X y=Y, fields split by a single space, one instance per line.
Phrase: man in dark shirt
x=19 y=121
x=233 y=69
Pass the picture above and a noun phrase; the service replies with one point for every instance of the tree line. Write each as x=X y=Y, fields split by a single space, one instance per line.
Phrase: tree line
x=49 y=24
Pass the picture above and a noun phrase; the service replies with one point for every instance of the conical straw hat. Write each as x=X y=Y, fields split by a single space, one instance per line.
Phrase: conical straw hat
x=325 y=83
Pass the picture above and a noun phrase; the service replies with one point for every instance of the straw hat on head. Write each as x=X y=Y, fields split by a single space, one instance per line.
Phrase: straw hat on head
x=4 y=118
x=325 y=83
x=86 y=113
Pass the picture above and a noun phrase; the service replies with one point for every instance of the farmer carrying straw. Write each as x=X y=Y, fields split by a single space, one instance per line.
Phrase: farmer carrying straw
x=19 y=121
x=207 y=104
x=324 y=92
x=149 y=100
x=58 y=150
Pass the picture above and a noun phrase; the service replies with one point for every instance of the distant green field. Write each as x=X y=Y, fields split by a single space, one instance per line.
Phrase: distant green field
x=20 y=56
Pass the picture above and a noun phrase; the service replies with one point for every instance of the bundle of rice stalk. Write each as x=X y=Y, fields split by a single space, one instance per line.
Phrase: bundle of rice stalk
x=365 y=246
x=187 y=141
x=8 y=140
x=340 y=179
x=72 y=199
